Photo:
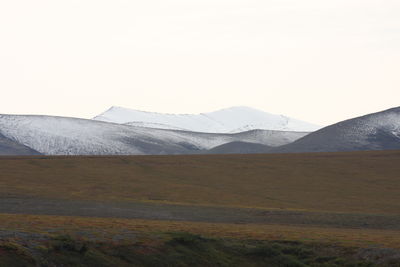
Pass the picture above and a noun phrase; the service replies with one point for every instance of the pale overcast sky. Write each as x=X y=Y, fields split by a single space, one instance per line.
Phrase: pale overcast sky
x=321 y=61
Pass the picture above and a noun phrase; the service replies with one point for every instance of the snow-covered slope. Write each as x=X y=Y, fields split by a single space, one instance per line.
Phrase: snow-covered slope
x=230 y=120
x=52 y=135
x=10 y=147
x=377 y=131
x=239 y=148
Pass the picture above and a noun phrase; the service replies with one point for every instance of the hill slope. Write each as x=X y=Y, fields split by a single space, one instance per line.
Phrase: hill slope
x=239 y=148
x=52 y=135
x=230 y=120
x=377 y=131
x=9 y=147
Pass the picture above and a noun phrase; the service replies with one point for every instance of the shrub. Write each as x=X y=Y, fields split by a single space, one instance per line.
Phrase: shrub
x=66 y=243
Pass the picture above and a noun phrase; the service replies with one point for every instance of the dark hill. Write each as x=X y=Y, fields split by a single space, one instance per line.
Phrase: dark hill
x=377 y=131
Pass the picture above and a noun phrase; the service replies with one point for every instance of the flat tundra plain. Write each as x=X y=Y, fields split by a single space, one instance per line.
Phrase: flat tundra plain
x=347 y=197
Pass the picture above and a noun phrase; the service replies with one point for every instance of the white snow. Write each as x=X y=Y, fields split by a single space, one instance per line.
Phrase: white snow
x=387 y=121
x=71 y=136
x=230 y=120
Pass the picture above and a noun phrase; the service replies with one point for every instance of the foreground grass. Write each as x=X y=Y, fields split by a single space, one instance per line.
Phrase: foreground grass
x=42 y=240
x=109 y=228
x=177 y=249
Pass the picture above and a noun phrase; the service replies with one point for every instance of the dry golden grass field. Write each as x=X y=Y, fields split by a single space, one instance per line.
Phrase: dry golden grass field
x=348 y=203
x=356 y=182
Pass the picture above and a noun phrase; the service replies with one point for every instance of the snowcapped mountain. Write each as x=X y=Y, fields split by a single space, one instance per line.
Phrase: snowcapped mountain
x=230 y=120
x=53 y=135
x=376 y=131
x=50 y=135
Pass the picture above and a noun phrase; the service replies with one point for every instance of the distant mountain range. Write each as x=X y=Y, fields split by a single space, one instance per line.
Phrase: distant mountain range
x=230 y=120
x=51 y=135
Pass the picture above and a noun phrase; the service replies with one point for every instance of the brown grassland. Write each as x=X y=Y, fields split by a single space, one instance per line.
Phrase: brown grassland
x=349 y=200
x=356 y=182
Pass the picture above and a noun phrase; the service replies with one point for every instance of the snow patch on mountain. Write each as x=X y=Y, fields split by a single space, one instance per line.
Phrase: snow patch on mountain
x=230 y=120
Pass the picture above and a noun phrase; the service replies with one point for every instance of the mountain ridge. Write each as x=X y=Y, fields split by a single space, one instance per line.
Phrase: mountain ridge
x=228 y=120
x=375 y=131
x=54 y=135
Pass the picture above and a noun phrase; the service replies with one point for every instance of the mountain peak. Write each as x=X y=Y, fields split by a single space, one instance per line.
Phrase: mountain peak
x=229 y=120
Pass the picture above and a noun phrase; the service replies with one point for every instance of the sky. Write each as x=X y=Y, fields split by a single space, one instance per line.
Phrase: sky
x=321 y=61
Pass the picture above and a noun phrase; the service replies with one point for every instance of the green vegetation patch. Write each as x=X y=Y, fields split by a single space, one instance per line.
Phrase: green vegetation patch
x=176 y=249
x=13 y=254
